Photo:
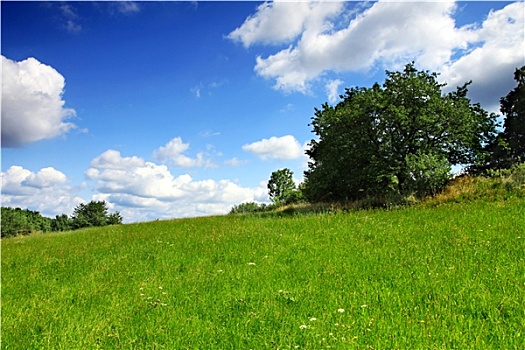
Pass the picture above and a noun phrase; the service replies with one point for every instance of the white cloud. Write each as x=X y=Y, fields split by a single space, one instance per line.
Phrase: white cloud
x=196 y=90
x=235 y=162
x=111 y=159
x=390 y=33
x=331 y=90
x=32 y=105
x=127 y=7
x=46 y=177
x=46 y=191
x=266 y=26
x=68 y=11
x=70 y=15
x=500 y=50
x=386 y=35
x=172 y=152
x=285 y=147
x=143 y=190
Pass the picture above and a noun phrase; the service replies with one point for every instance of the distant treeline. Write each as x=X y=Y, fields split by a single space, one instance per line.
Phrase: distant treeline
x=17 y=221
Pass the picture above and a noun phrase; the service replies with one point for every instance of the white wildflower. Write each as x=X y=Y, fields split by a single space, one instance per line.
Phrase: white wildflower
x=340 y=310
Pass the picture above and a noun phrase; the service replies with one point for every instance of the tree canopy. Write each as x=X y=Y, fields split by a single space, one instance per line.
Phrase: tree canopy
x=397 y=138
x=94 y=213
x=281 y=187
x=513 y=108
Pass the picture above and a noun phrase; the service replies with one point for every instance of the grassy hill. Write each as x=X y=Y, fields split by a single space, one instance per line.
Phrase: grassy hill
x=444 y=276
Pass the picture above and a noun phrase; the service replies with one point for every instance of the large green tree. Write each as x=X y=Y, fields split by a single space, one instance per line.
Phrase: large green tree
x=508 y=147
x=513 y=108
x=401 y=137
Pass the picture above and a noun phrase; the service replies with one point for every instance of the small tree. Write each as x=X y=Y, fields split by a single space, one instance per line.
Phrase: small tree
x=114 y=219
x=61 y=223
x=92 y=214
x=95 y=213
x=281 y=187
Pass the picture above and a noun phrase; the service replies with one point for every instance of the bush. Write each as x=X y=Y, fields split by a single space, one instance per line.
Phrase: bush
x=250 y=207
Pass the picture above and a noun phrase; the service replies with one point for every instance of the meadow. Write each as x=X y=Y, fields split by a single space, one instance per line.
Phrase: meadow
x=449 y=276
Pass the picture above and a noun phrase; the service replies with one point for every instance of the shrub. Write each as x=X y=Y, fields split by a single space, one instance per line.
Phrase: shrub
x=250 y=207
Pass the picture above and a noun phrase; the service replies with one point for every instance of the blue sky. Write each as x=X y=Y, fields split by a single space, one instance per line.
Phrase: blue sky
x=173 y=109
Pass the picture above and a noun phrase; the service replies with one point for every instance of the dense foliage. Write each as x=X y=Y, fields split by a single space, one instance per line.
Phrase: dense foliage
x=16 y=221
x=509 y=146
x=94 y=214
x=393 y=140
x=513 y=108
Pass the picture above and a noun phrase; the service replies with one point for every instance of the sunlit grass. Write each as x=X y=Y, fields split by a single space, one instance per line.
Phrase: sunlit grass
x=452 y=276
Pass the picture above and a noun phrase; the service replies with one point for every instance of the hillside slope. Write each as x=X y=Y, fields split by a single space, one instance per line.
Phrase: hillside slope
x=450 y=276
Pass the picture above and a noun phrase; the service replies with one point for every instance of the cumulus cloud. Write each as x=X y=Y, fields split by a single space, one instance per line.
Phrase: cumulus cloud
x=143 y=190
x=350 y=37
x=285 y=147
x=46 y=191
x=46 y=177
x=266 y=26
x=500 y=47
x=172 y=152
x=391 y=33
x=331 y=90
x=32 y=104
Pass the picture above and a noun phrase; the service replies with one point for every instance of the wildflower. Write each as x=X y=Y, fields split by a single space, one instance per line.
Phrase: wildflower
x=160 y=287
x=251 y=263
x=364 y=306
x=340 y=310
x=313 y=319
x=303 y=326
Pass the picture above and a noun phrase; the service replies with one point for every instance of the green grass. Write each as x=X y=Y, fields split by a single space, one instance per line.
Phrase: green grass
x=444 y=277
